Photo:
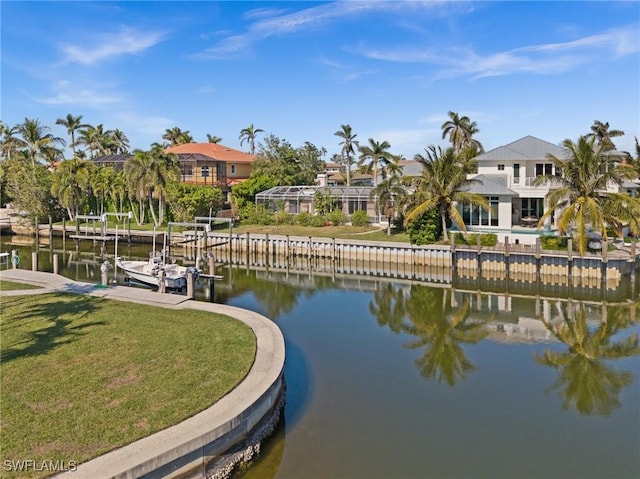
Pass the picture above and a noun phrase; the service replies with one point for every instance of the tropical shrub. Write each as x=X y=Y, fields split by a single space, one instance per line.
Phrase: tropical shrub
x=337 y=217
x=256 y=215
x=318 y=221
x=360 y=218
x=284 y=218
x=486 y=239
x=554 y=242
x=304 y=218
x=425 y=229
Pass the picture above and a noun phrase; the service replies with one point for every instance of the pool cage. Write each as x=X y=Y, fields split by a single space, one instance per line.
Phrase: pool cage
x=298 y=199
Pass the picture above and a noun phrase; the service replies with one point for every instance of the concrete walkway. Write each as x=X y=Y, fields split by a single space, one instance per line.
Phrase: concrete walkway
x=168 y=448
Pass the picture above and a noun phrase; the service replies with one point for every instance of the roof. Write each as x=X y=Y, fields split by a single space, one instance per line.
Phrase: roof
x=527 y=148
x=309 y=191
x=490 y=185
x=215 y=151
x=411 y=167
x=112 y=158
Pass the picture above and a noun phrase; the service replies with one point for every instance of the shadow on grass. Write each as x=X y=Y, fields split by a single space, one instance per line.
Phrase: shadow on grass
x=57 y=316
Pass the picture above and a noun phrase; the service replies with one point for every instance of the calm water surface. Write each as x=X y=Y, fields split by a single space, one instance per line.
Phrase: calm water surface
x=399 y=380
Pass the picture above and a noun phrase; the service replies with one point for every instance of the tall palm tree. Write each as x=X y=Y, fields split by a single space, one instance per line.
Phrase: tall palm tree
x=175 y=136
x=213 y=138
x=443 y=185
x=460 y=130
x=95 y=139
x=579 y=199
x=39 y=143
x=70 y=184
x=119 y=142
x=72 y=124
x=101 y=181
x=389 y=195
x=249 y=135
x=166 y=170
x=10 y=142
x=139 y=170
x=377 y=154
x=348 y=143
x=600 y=131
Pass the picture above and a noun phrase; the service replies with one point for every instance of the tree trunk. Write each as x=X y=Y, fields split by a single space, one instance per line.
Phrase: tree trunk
x=153 y=210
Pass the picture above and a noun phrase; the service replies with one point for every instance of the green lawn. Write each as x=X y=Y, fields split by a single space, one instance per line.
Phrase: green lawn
x=84 y=375
x=12 y=285
x=365 y=233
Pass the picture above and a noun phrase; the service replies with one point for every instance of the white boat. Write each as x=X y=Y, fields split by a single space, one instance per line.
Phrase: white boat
x=150 y=272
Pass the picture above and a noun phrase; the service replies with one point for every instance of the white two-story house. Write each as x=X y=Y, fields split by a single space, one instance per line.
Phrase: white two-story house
x=506 y=178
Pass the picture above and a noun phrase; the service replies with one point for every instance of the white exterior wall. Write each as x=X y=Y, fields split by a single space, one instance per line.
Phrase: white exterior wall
x=504 y=212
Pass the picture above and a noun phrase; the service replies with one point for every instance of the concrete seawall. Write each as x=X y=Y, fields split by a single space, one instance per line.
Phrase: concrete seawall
x=210 y=443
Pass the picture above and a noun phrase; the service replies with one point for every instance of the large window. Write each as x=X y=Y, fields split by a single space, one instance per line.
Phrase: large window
x=357 y=205
x=544 y=169
x=187 y=170
x=473 y=215
x=532 y=207
x=516 y=173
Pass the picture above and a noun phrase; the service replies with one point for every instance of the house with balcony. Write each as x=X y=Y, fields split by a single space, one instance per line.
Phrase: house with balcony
x=506 y=177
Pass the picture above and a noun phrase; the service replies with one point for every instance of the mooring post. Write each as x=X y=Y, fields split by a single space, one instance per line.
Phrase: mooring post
x=506 y=257
x=479 y=254
x=247 y=249
x=34 y=261
x=570 y=260
x=55 y=263
x=50 y=227
x=15 y=259
x=37 y=234
x=603 y=264
x=64 y=233
x=453 y=255
x=212 y=265
x=190 y=284
x=266 y=249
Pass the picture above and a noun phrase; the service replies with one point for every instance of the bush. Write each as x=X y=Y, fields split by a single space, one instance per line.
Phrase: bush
x=554 y=242
x=337 y=217
x=486 y=239
x=304 y=218
x=426 y=229
x=318 y=221
x=252 y=215
x=360 y=218
x=284 y=218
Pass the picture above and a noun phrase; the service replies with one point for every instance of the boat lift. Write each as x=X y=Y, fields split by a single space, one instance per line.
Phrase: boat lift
x=209 y=220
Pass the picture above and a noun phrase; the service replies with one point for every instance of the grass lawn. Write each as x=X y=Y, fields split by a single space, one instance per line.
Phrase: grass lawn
x=84 y=375
x=365 y=233
x=12 y=285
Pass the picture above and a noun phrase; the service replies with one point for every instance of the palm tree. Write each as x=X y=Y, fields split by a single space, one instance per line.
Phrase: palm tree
x=119 y=142
x=378 y=154
x=175 y=136
x=389 y=195
x=600 y=131
x=460 y=131
x=40 y=144
x=10 y=143
x=249 y=135
x=166 y=169
x=72 y=124
x=348 y=142
x=580 y=199
x=101 y=181
x=139 y=171
x=70 y=183
x=95 y=139
x=213 y=138
x=443 y=185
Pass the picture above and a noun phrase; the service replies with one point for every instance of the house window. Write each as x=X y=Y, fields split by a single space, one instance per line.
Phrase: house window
x=544 y=169
x=357 y=205
x=531 y=207
x=233 y=169
x=187 y=171
x=475 y=216
x=500 y=167
x=516 y=173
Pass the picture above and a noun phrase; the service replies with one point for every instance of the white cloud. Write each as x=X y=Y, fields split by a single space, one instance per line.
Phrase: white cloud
x=66 y=93
x=127 y=41
x=542 y=59
x=281 y=24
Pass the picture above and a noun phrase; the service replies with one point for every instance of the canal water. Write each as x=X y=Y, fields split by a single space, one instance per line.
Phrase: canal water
x=392 y=379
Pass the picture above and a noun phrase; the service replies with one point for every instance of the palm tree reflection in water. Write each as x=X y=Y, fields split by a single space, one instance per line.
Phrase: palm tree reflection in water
x=585 y=381
x=443 y=334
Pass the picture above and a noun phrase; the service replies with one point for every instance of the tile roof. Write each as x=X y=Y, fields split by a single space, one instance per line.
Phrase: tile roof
x=212 y=150
x=527 y=148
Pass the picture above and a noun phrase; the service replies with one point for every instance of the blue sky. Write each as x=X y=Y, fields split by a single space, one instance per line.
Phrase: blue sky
x=299 y=70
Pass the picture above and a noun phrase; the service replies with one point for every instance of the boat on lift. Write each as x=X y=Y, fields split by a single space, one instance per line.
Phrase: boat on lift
x=155 y=270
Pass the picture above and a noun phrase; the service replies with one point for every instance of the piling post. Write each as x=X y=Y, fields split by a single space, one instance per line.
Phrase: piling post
x=34 y=261
x=190 y=284
x=50 y=227
x=212 y=265
x=453 y=254
x=266 y=249
x=64 y=233
x=37 y=233
x=479 y=254
x=247 y=250
x=506 y=257
x=632 y=258
x=604 y=261
x=15 y=259
x=310 y=248
x=570 y=261
x=55 y=263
